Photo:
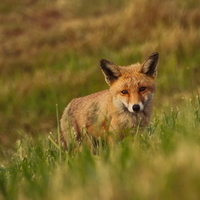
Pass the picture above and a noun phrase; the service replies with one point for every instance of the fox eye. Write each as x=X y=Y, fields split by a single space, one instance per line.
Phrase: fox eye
x=142 y=89
x=124 y=92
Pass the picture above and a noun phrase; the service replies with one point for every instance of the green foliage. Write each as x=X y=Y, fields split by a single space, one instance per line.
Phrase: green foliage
x=157 y=163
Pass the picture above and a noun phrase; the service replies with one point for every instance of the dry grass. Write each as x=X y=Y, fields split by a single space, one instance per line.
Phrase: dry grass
x=29 y=32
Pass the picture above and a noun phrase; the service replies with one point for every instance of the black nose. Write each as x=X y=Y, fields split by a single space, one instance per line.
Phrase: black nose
x=136 y=107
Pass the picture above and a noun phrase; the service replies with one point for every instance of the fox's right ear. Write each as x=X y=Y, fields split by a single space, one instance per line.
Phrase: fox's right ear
x=110 y=71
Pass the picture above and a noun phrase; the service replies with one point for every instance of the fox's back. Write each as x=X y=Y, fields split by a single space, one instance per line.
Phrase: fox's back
x=82 y=106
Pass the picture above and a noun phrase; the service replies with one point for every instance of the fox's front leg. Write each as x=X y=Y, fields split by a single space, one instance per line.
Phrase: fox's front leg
x=115 y=131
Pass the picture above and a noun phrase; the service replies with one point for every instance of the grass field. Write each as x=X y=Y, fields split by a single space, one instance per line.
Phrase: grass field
x=49 y=54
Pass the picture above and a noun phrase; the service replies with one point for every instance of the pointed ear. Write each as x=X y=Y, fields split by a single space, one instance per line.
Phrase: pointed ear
x=149 y=66
x=110 y=71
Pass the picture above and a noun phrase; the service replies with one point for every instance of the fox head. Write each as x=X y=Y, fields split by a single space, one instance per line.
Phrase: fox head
x=132 y=87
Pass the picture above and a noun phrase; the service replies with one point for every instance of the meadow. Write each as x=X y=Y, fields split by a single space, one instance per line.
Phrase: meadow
x=49 y=54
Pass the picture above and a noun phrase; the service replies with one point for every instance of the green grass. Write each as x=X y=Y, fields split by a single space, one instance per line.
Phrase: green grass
x=161 y=163
x=49 y=54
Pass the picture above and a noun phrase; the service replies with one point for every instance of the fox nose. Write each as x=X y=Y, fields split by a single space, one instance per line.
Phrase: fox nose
x=136 y=107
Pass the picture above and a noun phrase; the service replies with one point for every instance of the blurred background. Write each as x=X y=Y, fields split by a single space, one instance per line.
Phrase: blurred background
x=50 y=52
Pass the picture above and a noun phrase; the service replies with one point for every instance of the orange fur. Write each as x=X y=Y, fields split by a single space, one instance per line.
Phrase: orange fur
x=126 y=105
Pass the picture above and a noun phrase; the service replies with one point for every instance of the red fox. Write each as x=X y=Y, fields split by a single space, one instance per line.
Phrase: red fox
x=125 y=106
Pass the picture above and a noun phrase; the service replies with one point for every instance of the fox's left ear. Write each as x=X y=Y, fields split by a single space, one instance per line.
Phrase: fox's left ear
x=149 y=66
